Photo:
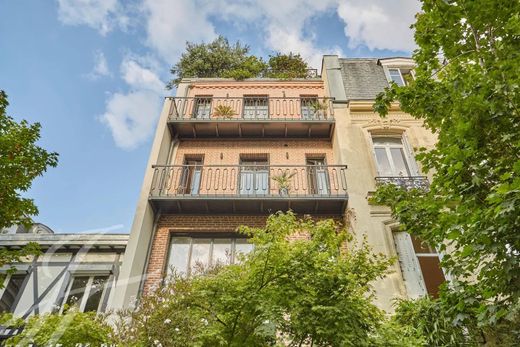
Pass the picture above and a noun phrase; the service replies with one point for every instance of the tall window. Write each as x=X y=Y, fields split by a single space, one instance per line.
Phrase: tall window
x=191 y=176
x=191 y=254
x=13 y=285
x=202 y=107
x=254 y=176
x=317 y=176
x=420 y=265
x=87 y=292
x=391 y=157
x=256 y=107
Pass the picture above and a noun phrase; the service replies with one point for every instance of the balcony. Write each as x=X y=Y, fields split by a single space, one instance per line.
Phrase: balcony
x=251 y=116
x=249 y=189
x=405 y=182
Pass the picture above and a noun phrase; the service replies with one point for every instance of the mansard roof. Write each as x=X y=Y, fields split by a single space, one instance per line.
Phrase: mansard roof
x=363 y=78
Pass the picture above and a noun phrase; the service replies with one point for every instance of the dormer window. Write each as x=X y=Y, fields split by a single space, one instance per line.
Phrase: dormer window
x=400 y=76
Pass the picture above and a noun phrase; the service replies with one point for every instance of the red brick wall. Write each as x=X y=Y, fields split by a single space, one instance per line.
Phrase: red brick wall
x=193 y=223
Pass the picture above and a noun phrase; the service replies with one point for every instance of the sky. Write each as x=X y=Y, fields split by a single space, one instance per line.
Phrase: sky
x=93 y=74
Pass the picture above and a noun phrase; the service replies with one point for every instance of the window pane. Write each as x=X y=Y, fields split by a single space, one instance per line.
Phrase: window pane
x=179 y=252
x=77 y=290
x=221 y=252
x=383 y=164
x=255 y=107
x=11 y=291
x=200 y=254
x=400 y=165
x=242 y=246
x=395 y=75
x=96 y=291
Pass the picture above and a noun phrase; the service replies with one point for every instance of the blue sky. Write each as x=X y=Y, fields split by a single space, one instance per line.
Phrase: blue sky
x=92 y=72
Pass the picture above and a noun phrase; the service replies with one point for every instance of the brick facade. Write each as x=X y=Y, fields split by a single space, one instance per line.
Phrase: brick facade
x=171 y=224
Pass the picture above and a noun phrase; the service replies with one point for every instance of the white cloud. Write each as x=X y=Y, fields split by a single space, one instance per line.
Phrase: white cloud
x=379 y=24
x=100 y=68
x=101 y=15
x=131 y=116
x=139 y=77
x=169 y=24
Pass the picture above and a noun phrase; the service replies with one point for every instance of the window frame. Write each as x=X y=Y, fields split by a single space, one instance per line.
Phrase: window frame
x=18 y=295
x=257 y=97
x=403 y=83
x=212 y=237
x=308 y=115
x=208 y=100
x=408 y=154
x=88 y=288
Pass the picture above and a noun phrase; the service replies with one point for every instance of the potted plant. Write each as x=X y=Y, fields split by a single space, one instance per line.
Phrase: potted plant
x=284 y=182
x=319 y=109
x=224 y=111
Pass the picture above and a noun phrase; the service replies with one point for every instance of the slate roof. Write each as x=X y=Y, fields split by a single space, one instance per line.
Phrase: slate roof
x=363 y=78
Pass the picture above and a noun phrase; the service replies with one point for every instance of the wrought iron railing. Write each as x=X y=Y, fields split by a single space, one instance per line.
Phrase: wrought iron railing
x=242 y=181
x=406 y=182
x=250 y=108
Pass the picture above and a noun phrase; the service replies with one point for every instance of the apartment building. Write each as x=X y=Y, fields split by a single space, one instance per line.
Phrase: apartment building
x=229 y=153
x=80 y=269
x=381 y=150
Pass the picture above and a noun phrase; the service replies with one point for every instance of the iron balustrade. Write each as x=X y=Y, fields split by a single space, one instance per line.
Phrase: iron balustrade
x=254 y=107
x=270 y=73
x=243 y=181
x=406 y=182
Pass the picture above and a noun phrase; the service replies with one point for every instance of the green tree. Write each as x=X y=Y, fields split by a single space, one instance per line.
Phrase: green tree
x=21 y=161
x=287 y=66
x=470 y=98
x=216 y=59
x=300 y=291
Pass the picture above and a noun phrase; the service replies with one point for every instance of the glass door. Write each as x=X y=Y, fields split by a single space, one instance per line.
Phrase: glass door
x=256 y=107
x=391 y=157
x=318 y=177
x=254 y=177
x=191 y=177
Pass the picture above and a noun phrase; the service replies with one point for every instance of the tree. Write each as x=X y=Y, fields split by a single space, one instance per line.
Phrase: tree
x=287 y=66
x=302 y=291
x=21 y=161
x=216 y=59
x=220 y=59
x=470 y=99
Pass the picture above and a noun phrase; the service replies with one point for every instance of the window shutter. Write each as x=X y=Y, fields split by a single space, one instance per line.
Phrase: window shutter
x=409 y=264
x=414 y=168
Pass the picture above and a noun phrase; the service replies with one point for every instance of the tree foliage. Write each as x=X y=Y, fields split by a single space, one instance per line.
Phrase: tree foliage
x=21 y=161
x=303 y=291
x=470 y=99
x=221 y=59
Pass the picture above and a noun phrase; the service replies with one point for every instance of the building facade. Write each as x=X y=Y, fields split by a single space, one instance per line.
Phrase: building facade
x=80 y=269
x=228 y=153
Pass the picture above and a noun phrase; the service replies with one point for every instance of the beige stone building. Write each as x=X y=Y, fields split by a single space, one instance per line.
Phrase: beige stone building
x=228 y=153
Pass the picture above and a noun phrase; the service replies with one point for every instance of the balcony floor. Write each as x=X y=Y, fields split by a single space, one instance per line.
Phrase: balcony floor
x=270 y=128
x=197 y=204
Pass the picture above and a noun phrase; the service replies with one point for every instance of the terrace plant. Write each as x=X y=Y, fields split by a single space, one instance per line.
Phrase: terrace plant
x=284 y=181
x=224 y=111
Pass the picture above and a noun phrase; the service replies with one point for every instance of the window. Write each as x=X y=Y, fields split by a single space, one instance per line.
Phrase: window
x=191 y=254
x=420 y=265
x=191 y=176
x=317 y=176
x=13 y=284
x=87 y=292
x=391 y=157
x=202 y=107
x=309 y=107
x=400 y=76
x=256 y=107
x=254 y=176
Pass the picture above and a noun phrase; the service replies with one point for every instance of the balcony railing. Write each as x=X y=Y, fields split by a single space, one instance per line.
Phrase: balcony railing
x=406 y=182
x=251 y=108
x=249 y=181
x=270 y=73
